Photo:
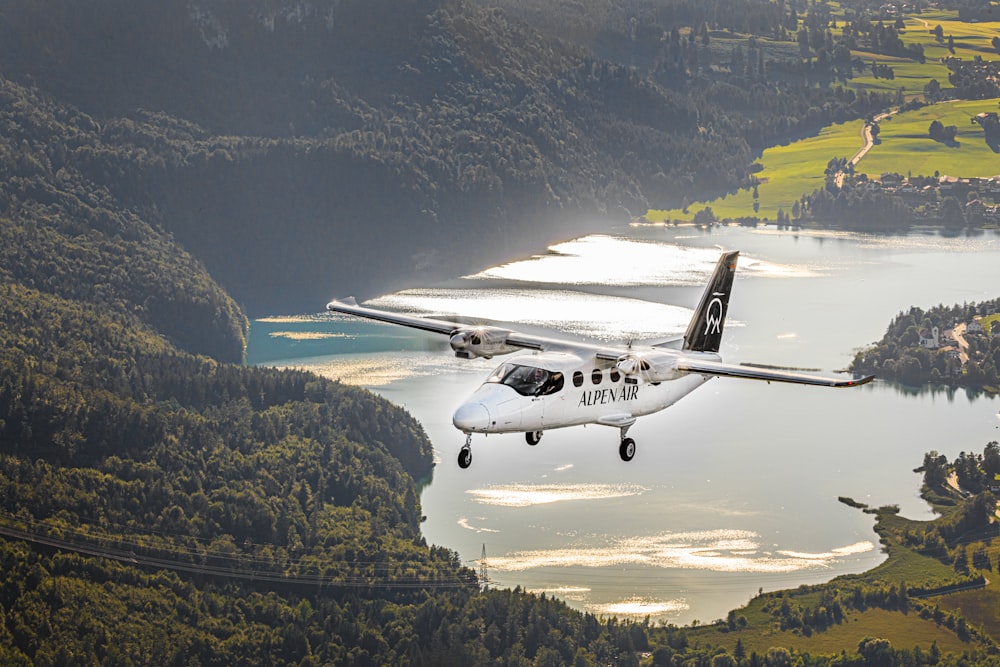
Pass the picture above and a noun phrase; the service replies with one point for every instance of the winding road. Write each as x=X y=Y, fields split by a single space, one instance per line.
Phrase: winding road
x=867 y=141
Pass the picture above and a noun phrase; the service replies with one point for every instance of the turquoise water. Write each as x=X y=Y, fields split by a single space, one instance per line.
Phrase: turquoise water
x=733 y=489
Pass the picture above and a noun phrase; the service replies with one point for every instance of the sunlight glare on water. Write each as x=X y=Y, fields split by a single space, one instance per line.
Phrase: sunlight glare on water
x=309 y=335
x=526 y=495
x=724 y=550
x=385 y=368
x=639 y=606
x=572 y=313
x=620 y=261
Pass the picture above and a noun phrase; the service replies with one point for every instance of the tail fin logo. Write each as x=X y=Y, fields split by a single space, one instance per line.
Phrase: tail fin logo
x=713 y=315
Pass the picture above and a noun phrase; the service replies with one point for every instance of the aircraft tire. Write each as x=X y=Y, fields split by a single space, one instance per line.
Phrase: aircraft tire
x=627 y=449
x=533 y=437
x=464 y=458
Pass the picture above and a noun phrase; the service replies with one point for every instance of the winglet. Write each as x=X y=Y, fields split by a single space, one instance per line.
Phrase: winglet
x=704 y=333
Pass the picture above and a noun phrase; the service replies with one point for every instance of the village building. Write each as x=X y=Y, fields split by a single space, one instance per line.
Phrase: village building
x=930 y=338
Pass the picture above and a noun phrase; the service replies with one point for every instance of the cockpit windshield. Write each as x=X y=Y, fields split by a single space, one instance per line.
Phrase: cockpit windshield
x=528 y=380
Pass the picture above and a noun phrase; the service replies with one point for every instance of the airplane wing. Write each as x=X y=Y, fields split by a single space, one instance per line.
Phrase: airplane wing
x=467 y=340
x=349 y=306
x=708 y=367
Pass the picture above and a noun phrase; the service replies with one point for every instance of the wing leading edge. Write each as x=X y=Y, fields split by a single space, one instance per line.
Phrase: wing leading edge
x=718 y=368
x=350 y=307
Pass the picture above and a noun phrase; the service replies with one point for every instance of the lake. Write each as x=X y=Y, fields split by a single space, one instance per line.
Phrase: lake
x=732 y=490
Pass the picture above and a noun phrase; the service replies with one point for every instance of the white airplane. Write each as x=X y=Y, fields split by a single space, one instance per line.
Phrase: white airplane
x=563 y=383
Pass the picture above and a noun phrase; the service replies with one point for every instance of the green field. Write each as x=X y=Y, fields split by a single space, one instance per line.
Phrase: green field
x=971 y=40
x=980 y=607
x=906 y=146
x=789 y=172
x=902 y=630
x=989 y=321
x=909 y=75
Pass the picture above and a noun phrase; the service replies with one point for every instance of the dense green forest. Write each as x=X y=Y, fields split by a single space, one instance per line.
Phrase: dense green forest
x=309 y=150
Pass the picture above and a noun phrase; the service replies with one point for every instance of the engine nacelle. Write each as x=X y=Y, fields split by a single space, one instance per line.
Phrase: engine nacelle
x=652 y=367
x=482 y=342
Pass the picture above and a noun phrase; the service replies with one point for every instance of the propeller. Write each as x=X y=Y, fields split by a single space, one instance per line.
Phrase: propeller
x=631 y=365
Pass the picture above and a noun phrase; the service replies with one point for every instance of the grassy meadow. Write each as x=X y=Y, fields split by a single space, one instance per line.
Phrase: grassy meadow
x=902 y=630
x=909 y=75
x=906 y=147
x=970 y=40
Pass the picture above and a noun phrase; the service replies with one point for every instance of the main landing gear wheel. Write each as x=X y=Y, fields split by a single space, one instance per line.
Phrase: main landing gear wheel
x=532 y=437
x=464 y=458
x=627 y=449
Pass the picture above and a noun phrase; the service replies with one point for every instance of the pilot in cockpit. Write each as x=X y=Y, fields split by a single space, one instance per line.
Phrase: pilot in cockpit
x=528 y=380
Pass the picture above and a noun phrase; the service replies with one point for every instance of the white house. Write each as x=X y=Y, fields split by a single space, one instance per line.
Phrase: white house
x=930 y=338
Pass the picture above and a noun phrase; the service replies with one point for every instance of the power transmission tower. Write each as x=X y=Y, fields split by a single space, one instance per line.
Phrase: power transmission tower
x=484 y=575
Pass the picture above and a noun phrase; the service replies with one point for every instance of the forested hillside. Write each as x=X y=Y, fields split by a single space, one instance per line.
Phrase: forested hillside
x=315 y=149
x=287 y=501
x=171 y=506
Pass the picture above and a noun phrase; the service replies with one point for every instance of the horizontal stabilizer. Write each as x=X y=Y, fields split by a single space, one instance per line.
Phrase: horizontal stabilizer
x=707 y=367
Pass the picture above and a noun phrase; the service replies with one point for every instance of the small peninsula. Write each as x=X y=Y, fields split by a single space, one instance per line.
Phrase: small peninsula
x=953 y=346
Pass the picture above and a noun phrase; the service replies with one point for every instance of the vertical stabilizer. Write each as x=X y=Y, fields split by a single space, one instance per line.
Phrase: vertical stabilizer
x=704 y=333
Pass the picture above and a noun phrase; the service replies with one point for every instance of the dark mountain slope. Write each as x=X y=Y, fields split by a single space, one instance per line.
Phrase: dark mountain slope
x=64 y=234
x=307 y=150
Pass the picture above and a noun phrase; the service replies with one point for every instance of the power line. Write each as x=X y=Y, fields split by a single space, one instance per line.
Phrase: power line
x=124 y=551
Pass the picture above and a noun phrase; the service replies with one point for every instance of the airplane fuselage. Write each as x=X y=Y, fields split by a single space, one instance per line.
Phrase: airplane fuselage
x=589 y=391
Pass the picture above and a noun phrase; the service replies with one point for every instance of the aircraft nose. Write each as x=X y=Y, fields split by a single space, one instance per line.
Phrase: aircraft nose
x=471 y=417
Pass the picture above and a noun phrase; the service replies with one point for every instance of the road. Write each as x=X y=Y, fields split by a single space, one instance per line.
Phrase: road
x=958 y=333
x=867 y=141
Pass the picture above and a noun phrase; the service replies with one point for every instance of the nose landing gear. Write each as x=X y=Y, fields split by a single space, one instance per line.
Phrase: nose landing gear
x=532 y=437
x=465 y=454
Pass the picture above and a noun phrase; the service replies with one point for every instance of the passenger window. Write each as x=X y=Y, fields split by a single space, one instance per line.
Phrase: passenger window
x=577 y=379
x=596 y=376
x=615 y=375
